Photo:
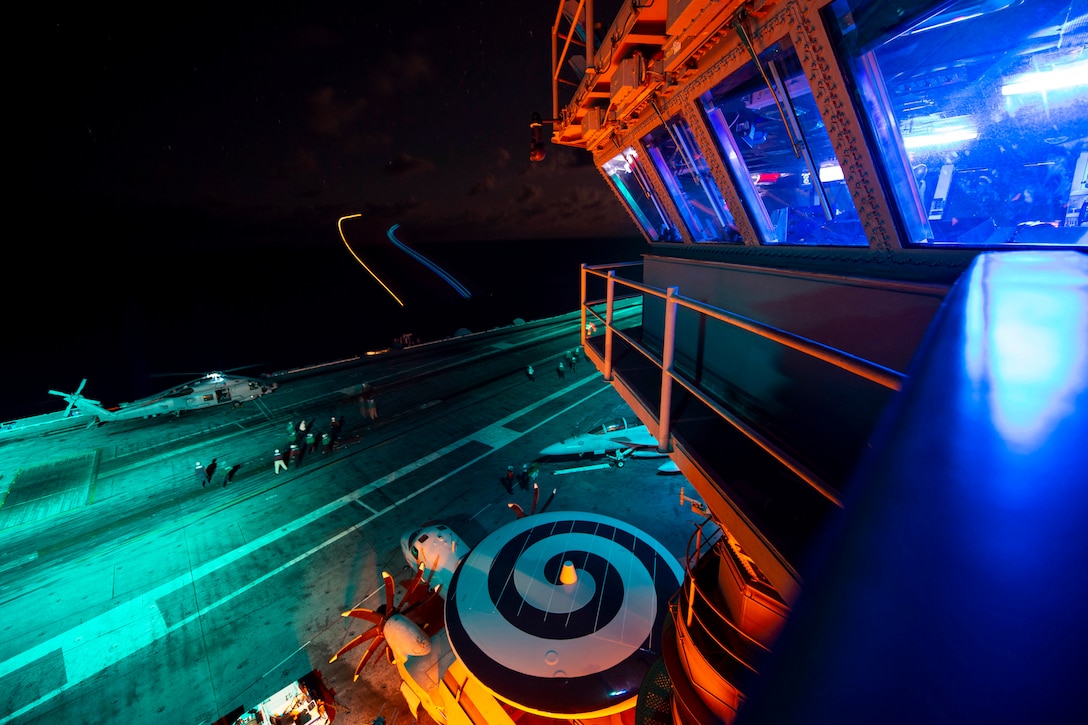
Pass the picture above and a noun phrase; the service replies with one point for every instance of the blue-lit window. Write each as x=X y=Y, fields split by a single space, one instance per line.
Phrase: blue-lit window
x=771 y=133
x=980 y=114
x=631 y=183
x=684 y=170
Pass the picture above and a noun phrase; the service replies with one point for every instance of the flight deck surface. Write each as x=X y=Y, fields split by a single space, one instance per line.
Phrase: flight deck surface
x=127 y=587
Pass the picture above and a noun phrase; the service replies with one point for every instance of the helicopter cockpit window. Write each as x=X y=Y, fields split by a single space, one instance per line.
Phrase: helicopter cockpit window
x=776 y=146
x=979 y=110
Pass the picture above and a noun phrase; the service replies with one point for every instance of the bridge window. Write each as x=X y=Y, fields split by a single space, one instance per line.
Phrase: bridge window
x=684 y=170
x=629 y=179
x=979 y=109
x=773 y=139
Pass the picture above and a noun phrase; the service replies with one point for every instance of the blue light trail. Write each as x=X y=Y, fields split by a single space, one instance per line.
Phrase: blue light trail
x=457 y=286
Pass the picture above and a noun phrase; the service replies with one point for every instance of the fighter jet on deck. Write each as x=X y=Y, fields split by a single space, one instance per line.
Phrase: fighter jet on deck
x=615 y=439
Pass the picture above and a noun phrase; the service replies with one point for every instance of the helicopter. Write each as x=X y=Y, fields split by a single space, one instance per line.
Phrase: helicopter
x=209 y=391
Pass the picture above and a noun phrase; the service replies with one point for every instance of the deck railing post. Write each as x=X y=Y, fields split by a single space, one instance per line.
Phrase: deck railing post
x=610 y=297
x=664 y=414
x=582 y=307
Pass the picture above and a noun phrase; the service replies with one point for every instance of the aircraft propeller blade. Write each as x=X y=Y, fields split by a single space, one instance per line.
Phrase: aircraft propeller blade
x=390 y=585
x=430 y=595
x=374 y=646
x=366 y=614
x=518 y=511
x=434 y=567
x=369 y=634
x=548 y=502
x=413 y=585
x=384 y=612
x=536 y=497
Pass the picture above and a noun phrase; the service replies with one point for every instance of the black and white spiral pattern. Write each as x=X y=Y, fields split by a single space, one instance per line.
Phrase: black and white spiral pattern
x=562 y=649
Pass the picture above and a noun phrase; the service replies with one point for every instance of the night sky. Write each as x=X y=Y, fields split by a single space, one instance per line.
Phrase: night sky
x=154 y=147
x=416 y=114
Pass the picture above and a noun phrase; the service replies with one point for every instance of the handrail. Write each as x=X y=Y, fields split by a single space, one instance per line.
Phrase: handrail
x=861 y=367
x=840 y=359
x=724 y=648
x=750 y=433
x=712 y=542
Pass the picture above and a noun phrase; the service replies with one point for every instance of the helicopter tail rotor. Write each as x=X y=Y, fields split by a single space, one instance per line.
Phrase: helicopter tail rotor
x=76 y=399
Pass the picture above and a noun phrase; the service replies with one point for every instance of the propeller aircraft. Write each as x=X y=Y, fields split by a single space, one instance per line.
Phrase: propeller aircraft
x=521 y=630
x=405 y=637
x=436 y=549
x=212 y=390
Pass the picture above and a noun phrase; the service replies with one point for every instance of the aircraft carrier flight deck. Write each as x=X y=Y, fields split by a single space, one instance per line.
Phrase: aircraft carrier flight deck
x=130 y=592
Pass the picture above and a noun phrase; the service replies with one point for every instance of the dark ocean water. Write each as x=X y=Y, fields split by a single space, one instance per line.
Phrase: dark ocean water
x=151 y=320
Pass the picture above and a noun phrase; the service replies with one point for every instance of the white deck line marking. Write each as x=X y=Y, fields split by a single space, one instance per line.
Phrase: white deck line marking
x=367 y=506
x=132 y=625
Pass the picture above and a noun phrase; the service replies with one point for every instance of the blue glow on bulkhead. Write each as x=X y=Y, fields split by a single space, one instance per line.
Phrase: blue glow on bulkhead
x=1027 y=348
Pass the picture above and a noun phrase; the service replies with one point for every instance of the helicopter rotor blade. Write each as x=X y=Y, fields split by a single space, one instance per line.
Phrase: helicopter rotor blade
x=245 y=367
x=197 y=374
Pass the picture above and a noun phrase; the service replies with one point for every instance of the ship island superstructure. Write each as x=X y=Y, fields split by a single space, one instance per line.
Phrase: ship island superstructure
x=863 y=340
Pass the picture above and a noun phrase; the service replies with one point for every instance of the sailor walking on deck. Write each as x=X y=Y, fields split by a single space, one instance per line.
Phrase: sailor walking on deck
x=561 y=370
x=211 y=469
x=278 y=462
x=530 y=373
x=201 y=475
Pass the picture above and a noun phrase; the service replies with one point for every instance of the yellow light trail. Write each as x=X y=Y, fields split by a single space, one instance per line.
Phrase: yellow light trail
x=340 y=227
